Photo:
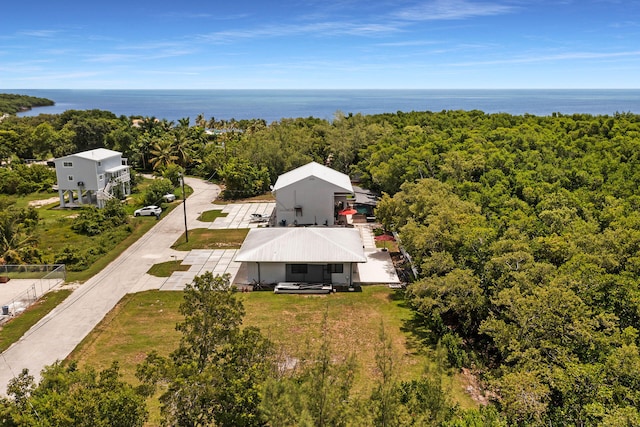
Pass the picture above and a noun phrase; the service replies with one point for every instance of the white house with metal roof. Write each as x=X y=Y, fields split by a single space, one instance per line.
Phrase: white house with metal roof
x=301 y=254
x=311 y=195
x=95 y=176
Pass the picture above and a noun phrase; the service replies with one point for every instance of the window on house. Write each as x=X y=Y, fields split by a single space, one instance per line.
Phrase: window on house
x=100 y=177
x=336 y=268
x=69 y=177
x=67 y=164
x=299 y=268
x=99 y=163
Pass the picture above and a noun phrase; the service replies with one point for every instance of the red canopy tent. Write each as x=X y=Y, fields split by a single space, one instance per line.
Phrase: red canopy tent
x=348 y=211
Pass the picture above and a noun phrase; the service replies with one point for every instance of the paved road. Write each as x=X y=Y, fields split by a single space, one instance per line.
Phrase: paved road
x=57 y=334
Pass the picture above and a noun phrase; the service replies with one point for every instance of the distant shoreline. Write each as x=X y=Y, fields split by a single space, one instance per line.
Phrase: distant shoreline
x=274 y=105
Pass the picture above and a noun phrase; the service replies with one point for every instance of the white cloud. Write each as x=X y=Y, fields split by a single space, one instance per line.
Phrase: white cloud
x=452 y=10
x=569 y=56
x=313 y=29
x=38 y=33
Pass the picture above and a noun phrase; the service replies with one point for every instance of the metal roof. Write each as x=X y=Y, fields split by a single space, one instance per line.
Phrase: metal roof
x=116 y=169
x=316 y=170
x=302 y=245
x=97 y=154
x=364 y=196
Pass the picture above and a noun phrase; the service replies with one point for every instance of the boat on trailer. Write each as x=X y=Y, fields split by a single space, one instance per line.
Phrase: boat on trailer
x=302 y=288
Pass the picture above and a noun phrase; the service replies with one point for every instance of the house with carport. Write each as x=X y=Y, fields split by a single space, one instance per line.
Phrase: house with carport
x=302 y=254
x=95 y=176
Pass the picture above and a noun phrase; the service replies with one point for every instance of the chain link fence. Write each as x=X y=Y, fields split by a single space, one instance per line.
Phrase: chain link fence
x=22 y=285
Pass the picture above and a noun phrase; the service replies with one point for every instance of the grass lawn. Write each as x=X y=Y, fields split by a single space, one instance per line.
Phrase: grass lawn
x=204 y=238
x=11 y=331
x=210 y=216
x=23 y=200
x=164 y=269
x=266 y=197
x=146 y=321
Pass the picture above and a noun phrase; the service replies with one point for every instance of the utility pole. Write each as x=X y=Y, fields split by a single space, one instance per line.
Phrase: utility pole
x=184 y=206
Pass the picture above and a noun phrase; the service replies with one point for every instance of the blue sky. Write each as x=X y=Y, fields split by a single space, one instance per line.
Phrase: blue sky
x=319 y=44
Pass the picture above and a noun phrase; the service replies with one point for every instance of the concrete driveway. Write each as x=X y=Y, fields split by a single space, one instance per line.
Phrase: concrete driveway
x=58 y=333
x=219 y=261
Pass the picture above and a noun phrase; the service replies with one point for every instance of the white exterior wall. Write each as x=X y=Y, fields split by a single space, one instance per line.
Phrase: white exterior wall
x=344 y=277
x=313 y=195
x=268 y=273
x=276 y=272
x=112 y=162
x=83 y=170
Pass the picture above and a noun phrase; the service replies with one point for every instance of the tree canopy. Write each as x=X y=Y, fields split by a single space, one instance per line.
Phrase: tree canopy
x=524 y=230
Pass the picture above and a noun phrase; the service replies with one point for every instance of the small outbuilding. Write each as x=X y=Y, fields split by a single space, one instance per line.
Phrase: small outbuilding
x=301 y=254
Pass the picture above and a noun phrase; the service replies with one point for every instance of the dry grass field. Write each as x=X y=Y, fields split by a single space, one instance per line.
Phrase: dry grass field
x=146 y=321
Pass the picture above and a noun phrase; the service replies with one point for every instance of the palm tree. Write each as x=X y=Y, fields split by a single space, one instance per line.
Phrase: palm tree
x=201 y=121
x=163 y=153
x=211 y=123
x=166 y=125
x=15 y=234
x=181 y=147
x=184 y=122
x=149 y=125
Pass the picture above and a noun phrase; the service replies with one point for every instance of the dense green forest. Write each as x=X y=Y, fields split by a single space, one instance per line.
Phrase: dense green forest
x=11 y=104
x=525 y=230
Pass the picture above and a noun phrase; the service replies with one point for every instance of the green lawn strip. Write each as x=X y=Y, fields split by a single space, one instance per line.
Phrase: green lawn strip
x=23 y=274
x=146 y=321
x=165 y=269
x=16 y=327
x=204 y=238
x=210 y=216
x=266 y=197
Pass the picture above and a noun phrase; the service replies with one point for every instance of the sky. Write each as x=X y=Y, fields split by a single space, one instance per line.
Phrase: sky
x=320 y=44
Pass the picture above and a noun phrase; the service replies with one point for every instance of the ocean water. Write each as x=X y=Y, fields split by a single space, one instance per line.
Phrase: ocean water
x=272 y=105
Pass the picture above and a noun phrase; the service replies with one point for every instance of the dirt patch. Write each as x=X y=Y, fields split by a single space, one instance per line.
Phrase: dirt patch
x=44 y=202
x=474 y=387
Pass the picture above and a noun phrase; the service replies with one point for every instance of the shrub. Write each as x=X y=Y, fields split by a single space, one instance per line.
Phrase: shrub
x=72 y=257
x=25 y=179
x=173 y=172
x=115 y=213
x=155 y=191
x=456 y=355
x=242 y=179
x=90 y=221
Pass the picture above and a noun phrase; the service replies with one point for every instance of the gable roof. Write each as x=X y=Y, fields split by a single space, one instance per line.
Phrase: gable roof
x=316 y=170
x=302 y=245
x=98 y=154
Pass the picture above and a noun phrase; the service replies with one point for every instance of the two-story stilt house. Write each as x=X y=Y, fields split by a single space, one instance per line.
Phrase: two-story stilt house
x=95 y=176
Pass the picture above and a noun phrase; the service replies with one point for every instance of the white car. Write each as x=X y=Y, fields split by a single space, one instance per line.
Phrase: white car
x=148 y=210
x=169 y=197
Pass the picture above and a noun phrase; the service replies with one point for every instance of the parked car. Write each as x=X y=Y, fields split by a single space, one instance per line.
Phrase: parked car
x=169 y=197
x=148 y=210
